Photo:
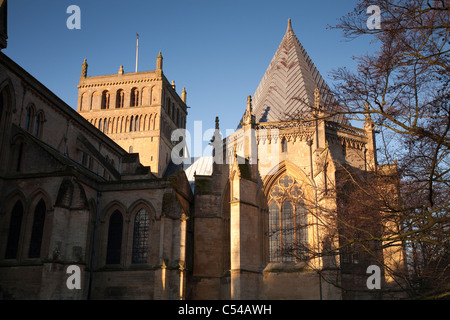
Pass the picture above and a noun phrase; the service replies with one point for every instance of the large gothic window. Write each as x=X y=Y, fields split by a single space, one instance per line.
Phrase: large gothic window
x=288 y=233
x=114 y=247
x=37 y=230
x=140 y=236
x=14 y=231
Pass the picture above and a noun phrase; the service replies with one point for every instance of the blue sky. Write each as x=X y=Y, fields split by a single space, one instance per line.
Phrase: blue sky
x=217 y=49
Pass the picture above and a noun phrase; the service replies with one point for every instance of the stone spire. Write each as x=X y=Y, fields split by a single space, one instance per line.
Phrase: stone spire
x=286 y=91
x=84 y=68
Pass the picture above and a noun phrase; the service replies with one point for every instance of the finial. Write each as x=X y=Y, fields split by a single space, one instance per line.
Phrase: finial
x=249 y=118
x=317 y=98
x=159 y=62
x=173 y=84
x=183 y=95
x=217 y=136
x=289 y=28
x=249 y=103
x=217 y=123
x=84 y=68
x=121 y=70
x=368 y=123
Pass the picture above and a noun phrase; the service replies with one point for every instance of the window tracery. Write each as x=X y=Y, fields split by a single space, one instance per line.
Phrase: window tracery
x=288 y=233
x=141 y=236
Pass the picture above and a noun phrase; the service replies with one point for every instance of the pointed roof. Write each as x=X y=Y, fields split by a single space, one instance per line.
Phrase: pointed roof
x=286 y=90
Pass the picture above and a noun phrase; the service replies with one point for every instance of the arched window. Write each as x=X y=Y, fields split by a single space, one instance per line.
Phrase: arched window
x=288 y=225
x=37 y=230
x=29 y=118
x=38 y=125
x=134 y=98
x=120 y=98
x=141 y=236
x=114 y=247
x=14 y=231
x=284 y=145
x=105 y=99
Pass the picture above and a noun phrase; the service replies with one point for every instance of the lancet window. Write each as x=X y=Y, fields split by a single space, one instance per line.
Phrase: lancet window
x=288 y=221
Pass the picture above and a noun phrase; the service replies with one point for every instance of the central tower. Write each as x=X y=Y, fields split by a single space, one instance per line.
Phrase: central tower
x=137 y=110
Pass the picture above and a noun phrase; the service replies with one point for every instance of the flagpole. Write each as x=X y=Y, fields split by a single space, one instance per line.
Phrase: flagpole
x=137 y=51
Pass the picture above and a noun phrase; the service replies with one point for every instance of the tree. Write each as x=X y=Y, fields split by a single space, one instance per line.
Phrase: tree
x=404 y=88
x=402 y=206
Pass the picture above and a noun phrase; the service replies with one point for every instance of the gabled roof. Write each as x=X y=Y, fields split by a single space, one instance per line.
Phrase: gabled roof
x=201 y=166
x=286 y=91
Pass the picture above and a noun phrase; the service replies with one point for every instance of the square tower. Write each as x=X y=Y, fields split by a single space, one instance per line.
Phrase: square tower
x=137 y=110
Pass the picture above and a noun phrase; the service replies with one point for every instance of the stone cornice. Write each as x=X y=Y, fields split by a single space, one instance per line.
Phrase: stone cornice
x=91 y=84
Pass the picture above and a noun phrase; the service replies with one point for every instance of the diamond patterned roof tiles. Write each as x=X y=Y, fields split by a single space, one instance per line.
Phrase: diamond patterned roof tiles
x=286 y=91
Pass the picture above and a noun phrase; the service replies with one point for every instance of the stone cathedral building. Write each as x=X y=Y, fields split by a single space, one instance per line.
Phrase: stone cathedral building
x=96 y=188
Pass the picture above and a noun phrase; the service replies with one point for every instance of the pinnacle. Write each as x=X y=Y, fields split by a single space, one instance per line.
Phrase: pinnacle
x=289 y=28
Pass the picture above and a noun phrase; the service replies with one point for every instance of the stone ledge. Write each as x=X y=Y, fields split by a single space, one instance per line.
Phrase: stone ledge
x=286 y=267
